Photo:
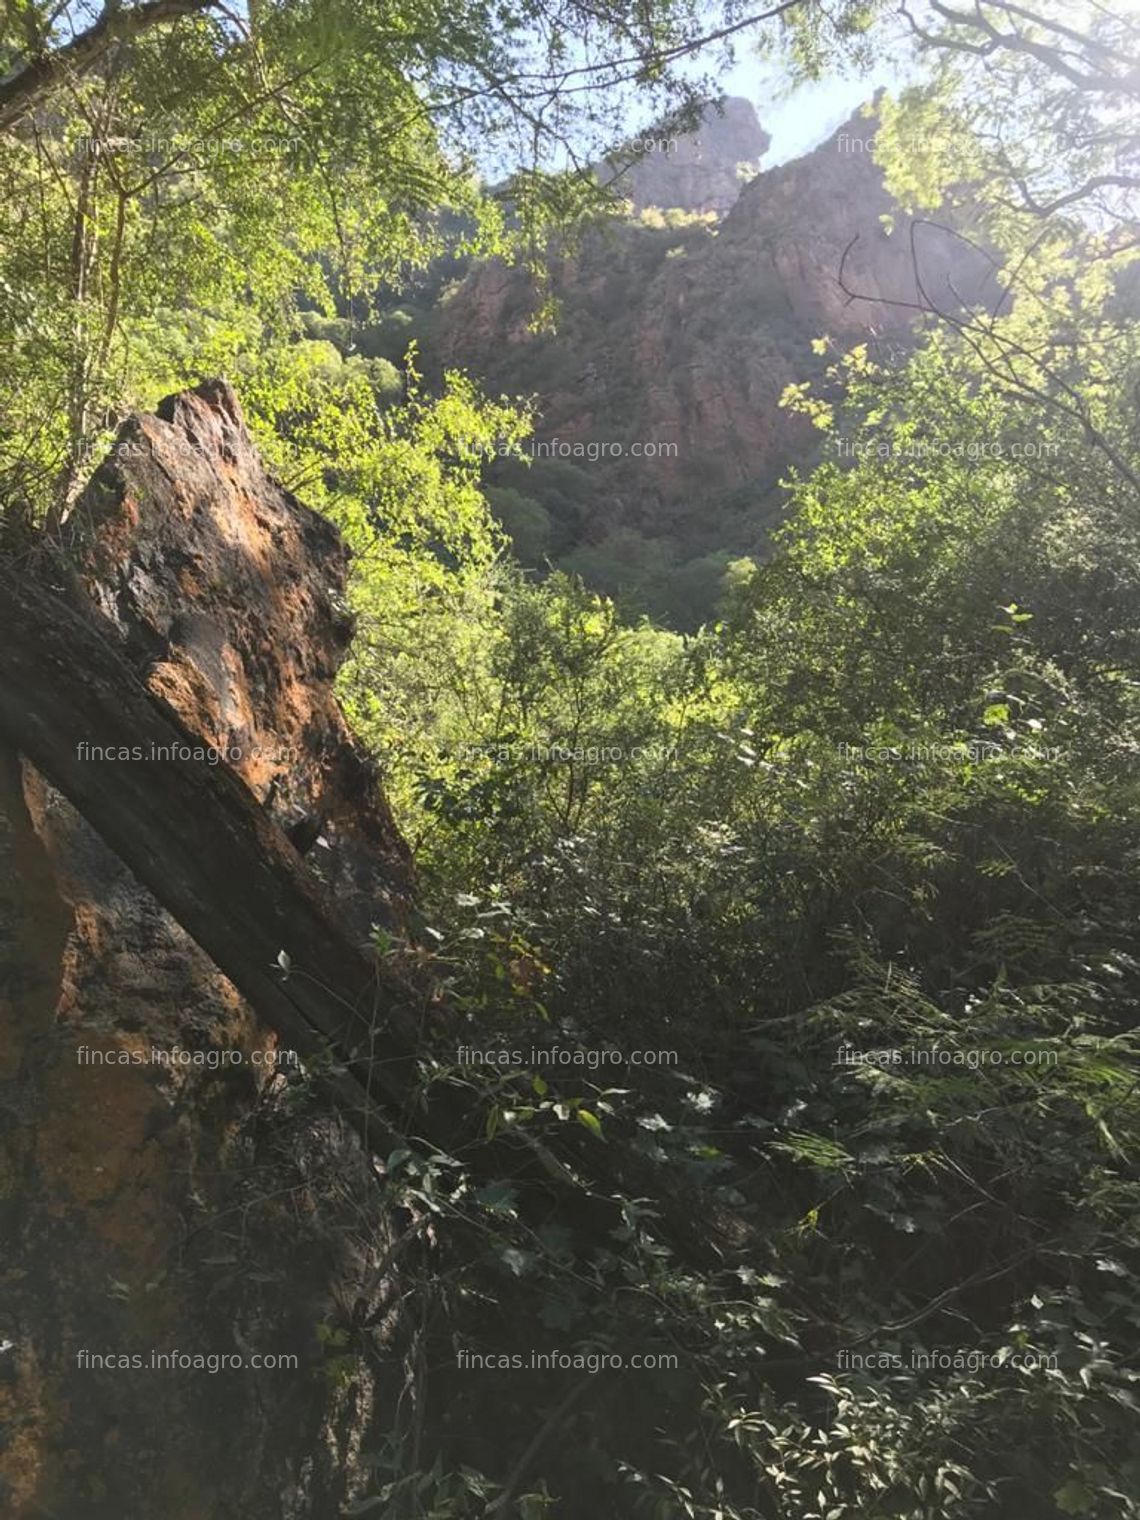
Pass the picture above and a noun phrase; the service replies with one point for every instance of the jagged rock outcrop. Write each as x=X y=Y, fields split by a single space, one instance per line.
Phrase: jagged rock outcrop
x=662 y=384
x=229 y=597
x=702 y=171
x=163 y=1186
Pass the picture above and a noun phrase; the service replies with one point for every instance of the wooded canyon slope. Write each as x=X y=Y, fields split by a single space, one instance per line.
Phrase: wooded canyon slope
x=660 y=439
x=569 y=733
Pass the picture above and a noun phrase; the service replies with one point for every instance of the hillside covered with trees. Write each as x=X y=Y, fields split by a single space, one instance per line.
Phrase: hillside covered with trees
x=540 y=986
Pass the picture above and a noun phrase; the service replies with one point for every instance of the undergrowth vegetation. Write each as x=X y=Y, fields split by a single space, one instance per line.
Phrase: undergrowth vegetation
x=828 y=910
x=864 y=856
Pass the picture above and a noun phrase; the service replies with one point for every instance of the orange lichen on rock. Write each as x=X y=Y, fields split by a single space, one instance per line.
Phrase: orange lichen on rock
x=133 y=1225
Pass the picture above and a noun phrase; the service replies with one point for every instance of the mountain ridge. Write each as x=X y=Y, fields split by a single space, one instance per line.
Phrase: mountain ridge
x=678 y=334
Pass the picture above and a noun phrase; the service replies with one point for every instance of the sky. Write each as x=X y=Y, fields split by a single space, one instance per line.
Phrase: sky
x=801 y=122
x=797 y=120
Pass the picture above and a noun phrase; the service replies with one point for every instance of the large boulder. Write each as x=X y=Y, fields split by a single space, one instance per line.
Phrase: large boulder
x=164 y=1186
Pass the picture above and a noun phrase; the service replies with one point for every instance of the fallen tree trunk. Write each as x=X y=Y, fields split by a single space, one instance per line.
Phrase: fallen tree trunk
x=197 y=838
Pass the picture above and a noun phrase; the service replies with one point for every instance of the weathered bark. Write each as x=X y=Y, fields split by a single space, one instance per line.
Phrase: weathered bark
x=196 y=837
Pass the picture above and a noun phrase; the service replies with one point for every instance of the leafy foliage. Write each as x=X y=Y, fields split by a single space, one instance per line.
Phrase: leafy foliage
x=861 y=857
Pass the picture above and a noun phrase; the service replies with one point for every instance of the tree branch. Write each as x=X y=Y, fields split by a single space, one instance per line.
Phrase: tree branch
x=36 y=78
x=195 y=836
x=974 y=334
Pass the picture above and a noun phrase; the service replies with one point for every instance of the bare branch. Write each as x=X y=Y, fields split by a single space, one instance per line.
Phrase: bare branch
x=1053 y=57
x=998 y=358
x=1082 y=192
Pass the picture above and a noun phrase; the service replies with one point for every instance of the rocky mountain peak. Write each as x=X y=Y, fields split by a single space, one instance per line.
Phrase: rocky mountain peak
x=660 y=437
x=700 y=171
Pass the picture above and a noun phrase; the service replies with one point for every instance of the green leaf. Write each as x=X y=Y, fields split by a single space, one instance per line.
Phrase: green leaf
x=498 y=1197
x=1075 y=1498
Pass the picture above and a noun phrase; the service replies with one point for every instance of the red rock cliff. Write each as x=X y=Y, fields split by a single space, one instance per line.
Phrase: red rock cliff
x=679 y=342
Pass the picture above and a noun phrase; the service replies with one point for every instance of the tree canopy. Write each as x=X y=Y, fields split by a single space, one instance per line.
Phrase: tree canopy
x=862 y=852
